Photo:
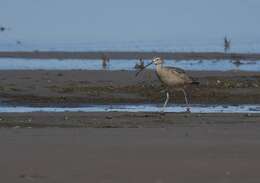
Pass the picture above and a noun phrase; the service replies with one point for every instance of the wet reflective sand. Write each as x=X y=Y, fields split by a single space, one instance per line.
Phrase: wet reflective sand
x=206 y=153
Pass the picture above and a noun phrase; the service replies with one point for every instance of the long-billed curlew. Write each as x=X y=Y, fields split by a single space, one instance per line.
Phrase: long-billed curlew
x=174 y=79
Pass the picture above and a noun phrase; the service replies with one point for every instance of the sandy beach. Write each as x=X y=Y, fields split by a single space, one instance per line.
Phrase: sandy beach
x=200 y=153
x=73 y=111
x=129 y=147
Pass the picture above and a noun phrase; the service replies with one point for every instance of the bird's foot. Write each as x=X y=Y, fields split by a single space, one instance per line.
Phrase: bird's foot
x=162 y=112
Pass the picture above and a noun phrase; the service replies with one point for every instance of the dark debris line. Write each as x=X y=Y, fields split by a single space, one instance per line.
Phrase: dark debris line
x=120 y=55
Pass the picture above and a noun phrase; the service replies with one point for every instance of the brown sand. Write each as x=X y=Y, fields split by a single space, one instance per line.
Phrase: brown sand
x=200 y=153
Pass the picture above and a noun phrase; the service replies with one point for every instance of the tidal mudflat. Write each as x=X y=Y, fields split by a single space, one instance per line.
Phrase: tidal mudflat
x=79 y=87
x=145 y=146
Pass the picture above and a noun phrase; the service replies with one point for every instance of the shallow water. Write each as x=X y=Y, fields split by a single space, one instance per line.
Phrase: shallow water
x=137 y=108
x=186 y=44
x=54 y=64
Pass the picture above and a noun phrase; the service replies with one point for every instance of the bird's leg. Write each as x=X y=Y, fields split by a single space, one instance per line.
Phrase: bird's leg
x=163 y=91
x=186 y=100
x=166 y=101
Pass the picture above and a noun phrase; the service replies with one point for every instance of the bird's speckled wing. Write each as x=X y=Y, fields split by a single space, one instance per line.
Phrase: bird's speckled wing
x=179 y=73
x=176 y=69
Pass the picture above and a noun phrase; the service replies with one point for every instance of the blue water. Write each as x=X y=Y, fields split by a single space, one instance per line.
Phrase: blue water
x=137 y=108
x=239 y=45
x=52 y=64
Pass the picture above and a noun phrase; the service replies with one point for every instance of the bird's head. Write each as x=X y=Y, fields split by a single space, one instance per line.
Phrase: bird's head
x=157 y=61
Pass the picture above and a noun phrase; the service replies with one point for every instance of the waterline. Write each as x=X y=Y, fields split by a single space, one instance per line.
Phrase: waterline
x=196 y=108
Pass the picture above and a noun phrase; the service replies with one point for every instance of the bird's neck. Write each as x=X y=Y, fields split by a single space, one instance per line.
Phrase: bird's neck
x=158 y=67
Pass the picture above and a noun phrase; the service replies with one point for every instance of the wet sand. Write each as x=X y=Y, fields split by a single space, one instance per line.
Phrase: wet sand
x=129 y=55
x=73 y=88
x=199 y=153
x=122 y=119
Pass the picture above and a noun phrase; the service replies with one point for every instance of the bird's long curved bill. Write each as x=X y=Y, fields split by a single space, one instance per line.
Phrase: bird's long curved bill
x=143 y=68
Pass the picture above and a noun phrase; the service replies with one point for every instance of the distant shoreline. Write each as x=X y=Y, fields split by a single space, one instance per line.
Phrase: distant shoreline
x=116 y=55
